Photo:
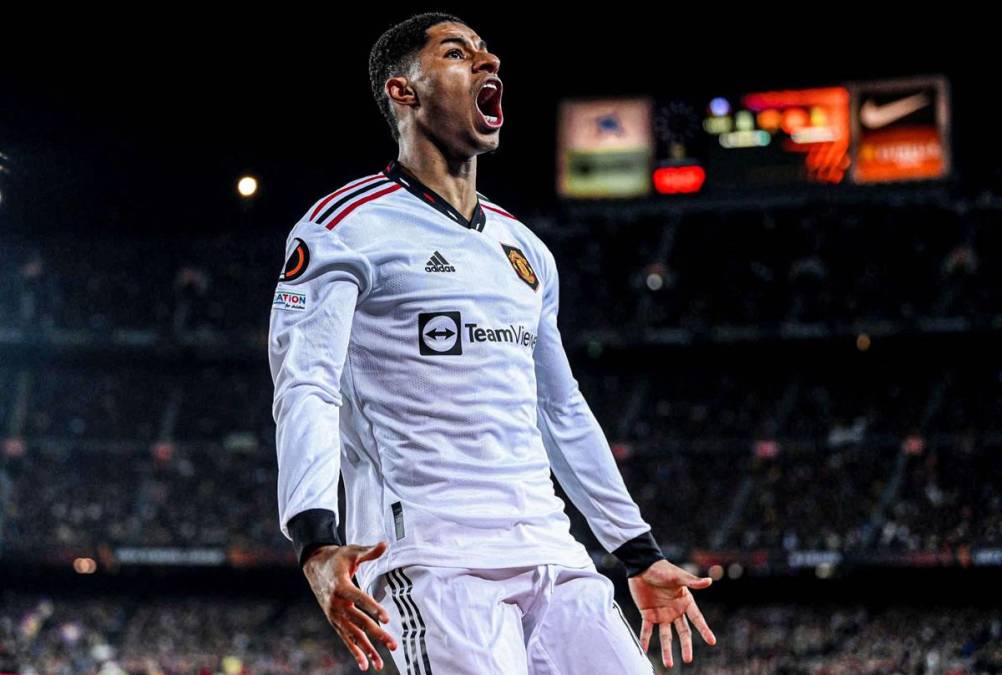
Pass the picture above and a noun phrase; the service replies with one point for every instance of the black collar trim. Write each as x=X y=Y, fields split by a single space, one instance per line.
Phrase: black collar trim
x=432 y=198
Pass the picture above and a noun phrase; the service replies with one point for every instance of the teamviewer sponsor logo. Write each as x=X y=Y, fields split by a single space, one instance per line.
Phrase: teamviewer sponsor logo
x=518 y=335
x=438 y=333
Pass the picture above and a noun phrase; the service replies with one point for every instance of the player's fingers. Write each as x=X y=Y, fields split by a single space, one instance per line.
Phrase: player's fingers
x=685 y=637
x=365 y=622
x=353 y=594
x=700 y=623
x=665 y=632
x=373 y=551
x=692 y=581
x=645 y=633
x=362 y=641
x=349 y=642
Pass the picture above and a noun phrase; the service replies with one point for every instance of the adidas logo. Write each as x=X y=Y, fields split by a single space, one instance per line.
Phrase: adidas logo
x=437 y=263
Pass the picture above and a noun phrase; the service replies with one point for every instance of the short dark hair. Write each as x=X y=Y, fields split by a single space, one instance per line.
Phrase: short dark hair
x=394 y=54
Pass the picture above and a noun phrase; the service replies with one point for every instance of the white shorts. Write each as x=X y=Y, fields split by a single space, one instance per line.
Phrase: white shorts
x=544 y=619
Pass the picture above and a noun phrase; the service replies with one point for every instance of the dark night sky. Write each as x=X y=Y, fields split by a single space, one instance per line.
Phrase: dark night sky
x=147 y=123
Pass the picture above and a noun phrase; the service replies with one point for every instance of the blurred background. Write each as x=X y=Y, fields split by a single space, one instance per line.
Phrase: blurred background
x=780 y=251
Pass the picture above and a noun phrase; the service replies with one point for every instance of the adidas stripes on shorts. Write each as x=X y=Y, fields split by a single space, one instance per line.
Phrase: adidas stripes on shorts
x=539 y=620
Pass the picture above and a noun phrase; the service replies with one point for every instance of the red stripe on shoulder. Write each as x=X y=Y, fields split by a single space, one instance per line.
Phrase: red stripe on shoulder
x=498 y=209
x=328 y=198
x=358 y=202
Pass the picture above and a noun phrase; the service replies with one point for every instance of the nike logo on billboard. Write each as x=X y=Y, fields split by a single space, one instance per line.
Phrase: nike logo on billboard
x=874 y=116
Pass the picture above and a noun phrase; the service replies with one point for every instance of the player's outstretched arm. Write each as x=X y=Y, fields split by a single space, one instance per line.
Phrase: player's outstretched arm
x=329 y=569
x=578 y=450
x=662 y=594
x=323 y=281
x=583 y=463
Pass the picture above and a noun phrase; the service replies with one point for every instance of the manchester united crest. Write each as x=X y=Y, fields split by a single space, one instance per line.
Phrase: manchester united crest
x=521 y=265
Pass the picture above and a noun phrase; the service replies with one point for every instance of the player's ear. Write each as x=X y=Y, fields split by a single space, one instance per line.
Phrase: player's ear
x=400 y=90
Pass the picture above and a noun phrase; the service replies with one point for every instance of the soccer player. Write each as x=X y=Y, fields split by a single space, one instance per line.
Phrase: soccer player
x=414 y=350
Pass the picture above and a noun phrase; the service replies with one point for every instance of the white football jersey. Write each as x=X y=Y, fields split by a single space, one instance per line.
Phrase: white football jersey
x=417 y=354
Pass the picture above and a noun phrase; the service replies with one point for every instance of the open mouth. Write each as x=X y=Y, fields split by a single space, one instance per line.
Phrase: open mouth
x=489 y=104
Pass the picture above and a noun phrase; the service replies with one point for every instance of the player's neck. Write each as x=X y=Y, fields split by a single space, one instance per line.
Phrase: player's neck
x=454 y=181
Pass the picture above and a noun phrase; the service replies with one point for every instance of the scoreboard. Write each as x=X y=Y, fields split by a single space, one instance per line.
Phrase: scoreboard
x=852 y=133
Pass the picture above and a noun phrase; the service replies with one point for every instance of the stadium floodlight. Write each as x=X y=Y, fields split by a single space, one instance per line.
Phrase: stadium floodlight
x=247 y=186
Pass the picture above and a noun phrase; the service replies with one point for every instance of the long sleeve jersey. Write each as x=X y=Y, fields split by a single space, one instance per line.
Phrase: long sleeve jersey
x=416 y=353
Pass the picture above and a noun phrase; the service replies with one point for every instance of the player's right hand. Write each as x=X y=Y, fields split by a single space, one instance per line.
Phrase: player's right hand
x=329 y=570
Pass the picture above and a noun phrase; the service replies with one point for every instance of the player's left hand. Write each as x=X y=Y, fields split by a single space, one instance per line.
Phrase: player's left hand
x=662 y=595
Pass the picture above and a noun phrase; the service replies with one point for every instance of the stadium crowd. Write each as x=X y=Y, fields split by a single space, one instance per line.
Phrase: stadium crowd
x=886 y=461
x=245 y=635
x=799 y=264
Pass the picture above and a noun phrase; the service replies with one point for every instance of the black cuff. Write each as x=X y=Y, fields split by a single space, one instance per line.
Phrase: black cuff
x=639 y=553
x=311 y=529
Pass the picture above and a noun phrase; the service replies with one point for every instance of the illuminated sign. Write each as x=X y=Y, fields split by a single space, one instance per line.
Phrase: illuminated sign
x=604 y=148
x=671 y=180
x=901 y=130
x=744 y=144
